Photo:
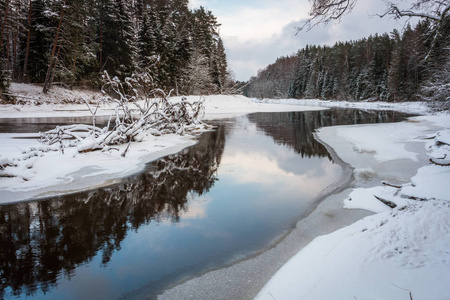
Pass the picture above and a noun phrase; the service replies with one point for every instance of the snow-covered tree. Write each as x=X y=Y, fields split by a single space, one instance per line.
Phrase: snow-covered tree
x=72 y=42
x=437 y=88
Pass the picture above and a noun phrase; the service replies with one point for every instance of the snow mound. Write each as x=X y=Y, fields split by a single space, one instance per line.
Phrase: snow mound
x=369 y=199
x=33 y=95
x=385 y=256
x=415 y=236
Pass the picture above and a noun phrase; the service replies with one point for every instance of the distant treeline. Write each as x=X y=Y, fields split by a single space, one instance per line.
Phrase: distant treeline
x=405 y=66
x=72 y=42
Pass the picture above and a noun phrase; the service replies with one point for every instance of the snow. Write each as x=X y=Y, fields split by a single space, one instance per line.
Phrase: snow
x=407 y=107
x=53 y=173
x=216 y=106
x=384 y=256
x=364 y=198
x=398 y=253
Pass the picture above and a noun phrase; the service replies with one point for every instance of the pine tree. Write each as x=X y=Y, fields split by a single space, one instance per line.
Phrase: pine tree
x=116 y=35
x=146 y=41
x=40 y=40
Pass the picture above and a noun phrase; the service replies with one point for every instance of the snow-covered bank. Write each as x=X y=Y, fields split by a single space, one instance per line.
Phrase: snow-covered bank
x=401 y=252
x=53 y=173
x=218 y=106
x=385 y=256
x=406 y=107
x=43 y=171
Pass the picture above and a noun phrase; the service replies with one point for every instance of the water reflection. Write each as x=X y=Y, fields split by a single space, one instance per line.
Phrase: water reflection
x=228 y=196
x=39 y=240
x=295 y=129
x=26 y=125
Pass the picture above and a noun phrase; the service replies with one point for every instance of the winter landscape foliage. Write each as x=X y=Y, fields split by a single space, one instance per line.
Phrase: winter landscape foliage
x=141 y=53
x=381 y=67
x=400 y=66
x=72 y=42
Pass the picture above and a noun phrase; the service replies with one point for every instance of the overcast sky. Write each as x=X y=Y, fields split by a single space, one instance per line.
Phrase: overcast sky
x=257 y=32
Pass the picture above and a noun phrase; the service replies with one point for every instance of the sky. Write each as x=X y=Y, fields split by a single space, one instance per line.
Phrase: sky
x=256 y=33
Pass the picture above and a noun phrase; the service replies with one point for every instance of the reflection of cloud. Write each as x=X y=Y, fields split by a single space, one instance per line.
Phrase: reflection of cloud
x=247 y=168
x=196 y=206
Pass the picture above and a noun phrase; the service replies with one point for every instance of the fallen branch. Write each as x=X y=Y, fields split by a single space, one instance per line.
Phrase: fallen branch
x=391 y=185
x=387 y=202
x=442 y=164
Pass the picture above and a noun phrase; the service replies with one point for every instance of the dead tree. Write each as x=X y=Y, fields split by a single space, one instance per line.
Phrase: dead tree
x=155 y=115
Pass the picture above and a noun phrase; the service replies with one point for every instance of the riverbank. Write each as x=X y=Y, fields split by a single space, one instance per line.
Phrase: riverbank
x=376 y=153
x=398 y=253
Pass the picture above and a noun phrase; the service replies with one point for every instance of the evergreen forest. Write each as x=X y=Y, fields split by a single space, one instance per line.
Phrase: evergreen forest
x=72 y=42
x=401 y=66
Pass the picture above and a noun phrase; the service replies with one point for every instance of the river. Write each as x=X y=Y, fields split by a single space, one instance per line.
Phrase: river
x=238 y=191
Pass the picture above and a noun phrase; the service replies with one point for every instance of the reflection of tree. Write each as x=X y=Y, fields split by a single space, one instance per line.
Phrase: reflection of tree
x=40 y=240
x=295 y=129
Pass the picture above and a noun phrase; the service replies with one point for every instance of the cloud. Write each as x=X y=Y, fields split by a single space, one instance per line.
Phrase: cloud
x=256 y=33
x=246 y=58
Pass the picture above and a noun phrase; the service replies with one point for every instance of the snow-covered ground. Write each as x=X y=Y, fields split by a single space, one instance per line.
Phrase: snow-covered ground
x=407 y=107
x=398 y=253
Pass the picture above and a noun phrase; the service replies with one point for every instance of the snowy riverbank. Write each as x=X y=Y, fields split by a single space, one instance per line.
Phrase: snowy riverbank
x=383 y=256
x=400 y=252
x=41 y=172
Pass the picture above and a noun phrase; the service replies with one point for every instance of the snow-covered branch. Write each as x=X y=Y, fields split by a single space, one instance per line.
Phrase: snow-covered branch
x=138 y=111
x=325 y=11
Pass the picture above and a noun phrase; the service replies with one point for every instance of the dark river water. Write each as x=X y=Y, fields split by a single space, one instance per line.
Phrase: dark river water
x=236 y=192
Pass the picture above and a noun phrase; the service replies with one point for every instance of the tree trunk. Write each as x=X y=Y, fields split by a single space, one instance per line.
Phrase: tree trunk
x=101 y=43
x=54 y=67
x=4 y=24
x=76 y=52
x=48 y=76
x=27 y=52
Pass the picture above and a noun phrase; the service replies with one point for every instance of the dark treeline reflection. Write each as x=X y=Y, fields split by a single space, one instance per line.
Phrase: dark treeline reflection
x=27 y=125
x=295 y=129
x=41 y=240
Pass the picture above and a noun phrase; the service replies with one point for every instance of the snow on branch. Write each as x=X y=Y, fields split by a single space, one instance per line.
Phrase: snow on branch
x=325 y=11
x=139 y=110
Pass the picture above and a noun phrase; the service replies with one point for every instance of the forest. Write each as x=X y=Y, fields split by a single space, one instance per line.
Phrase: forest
x=71 y=43
x=401 y=66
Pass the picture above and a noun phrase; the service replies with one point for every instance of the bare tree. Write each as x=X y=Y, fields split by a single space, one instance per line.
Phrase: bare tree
x=435 y=11
x=155 y=115
x=325 y=11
